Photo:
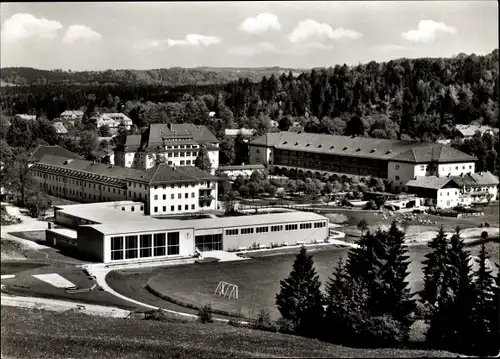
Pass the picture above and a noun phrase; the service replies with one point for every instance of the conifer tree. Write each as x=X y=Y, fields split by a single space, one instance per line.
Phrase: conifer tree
x=449 y=323
x=436 y=273
x=202 y=161
x=482 y=331
x=300 y=299
x=396 y=298
x=346 y=300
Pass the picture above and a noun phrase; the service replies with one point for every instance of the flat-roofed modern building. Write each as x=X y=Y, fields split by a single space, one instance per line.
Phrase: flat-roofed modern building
x=164 y=190
x=108 y=234
x=318 y=155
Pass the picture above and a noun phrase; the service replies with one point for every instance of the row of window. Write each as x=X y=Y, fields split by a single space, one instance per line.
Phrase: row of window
x=262 y=230
x=209 y=242
x=182 y=154
x=179 y=196
x=145 y=245
x=172 y=208
x=277 y=228
x=182 y=146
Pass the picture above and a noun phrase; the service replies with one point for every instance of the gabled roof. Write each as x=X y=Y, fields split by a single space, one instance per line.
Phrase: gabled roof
x=485 y=178
x=160 y=174
x=59 y=127
x=43 y=150
x=465 y=181
x=470 y=130
x=431 y=182
x=76 y=113
x=200 y=133
x=376 y=148
x=26 y=117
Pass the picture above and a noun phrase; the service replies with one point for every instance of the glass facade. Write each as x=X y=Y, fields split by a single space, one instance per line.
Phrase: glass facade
x=145 y=246
x=209 y=242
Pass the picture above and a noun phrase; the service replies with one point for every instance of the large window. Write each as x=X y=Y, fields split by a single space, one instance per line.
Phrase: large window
x=159 y=244
x=173 y=243
x=116 y=248
x=131 y=247
x=145 y=245
x=209 y=242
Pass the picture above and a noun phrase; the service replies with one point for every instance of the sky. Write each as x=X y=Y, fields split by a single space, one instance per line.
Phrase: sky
x=133 y=35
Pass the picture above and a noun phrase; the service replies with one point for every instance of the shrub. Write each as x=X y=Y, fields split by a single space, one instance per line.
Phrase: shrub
x=486 y=224
x=382 y=331
x=156 y=314
x=285 y=326
x=422 y=310
x=263 y=322
x=205 y=314
x=370 y=205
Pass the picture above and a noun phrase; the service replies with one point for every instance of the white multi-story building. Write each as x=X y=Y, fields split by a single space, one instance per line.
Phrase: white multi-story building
x=113 y=121
x=164 y=190
x=175 y=144
x=395 y=161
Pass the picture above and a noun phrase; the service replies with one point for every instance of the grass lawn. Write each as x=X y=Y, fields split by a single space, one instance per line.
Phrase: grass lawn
x=258 y=280
x=42 y=334
x=34 y=236
x=12 y=250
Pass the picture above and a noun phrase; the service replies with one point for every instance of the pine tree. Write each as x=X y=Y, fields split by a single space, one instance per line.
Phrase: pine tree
x=436 y=271
x=396 y=298
x=202 y=160
x=482 y=330
x=300 y=299
x=449 y=323
x=346 y=300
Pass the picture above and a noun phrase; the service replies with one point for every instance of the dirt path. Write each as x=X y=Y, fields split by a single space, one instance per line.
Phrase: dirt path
x=57 y=305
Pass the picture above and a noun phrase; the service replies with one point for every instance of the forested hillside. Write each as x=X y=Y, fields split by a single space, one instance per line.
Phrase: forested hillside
x=174 y=76
x=420 y=99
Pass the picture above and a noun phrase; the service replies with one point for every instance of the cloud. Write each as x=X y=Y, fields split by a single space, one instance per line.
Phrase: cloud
x=192 y=40
x=308 y=28
x=268 y=47
x=260 y=23
x=22 y=26
x=427 y=31
x=393 y=47
x=80 y=33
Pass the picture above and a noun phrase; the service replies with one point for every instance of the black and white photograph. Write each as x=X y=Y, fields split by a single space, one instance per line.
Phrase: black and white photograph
x=235 y=179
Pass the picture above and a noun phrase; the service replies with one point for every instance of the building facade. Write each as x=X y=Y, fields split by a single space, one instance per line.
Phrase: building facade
x=436 y=191
x=163 y=189
x=173 y=144
x=113 y=234
x=396 y=162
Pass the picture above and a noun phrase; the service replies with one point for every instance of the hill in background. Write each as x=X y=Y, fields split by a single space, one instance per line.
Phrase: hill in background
x=175 y=76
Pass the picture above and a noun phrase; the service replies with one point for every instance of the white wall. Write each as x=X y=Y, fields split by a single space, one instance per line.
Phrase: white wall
x=214 y=160
x=455 y=169
x=448 y=197
x=260 y=155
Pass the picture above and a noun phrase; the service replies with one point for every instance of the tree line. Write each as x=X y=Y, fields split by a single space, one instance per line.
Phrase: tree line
x=368 y=303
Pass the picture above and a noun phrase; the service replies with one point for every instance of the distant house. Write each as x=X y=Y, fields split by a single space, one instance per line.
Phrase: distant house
x=245 y=132
x=25 y=117
x=71 y=115
x=60 y=129
x=113 y=121
x=468 y=131
x=442 y=192
x=105 y=156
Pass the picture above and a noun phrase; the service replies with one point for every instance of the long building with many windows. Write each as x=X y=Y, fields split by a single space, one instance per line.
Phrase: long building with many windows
x=319 y=155
x=112 y=233
x=164 y=189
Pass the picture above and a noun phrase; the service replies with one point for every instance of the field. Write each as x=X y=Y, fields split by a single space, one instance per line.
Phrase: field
x=258 y=280
x=43 y=334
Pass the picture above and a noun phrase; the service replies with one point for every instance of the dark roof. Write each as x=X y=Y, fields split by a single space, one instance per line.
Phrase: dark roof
x=376 y=148
x=430 y=182
x=200 y=133
x=156 y=175
x=485 y=178
x=465 y=180
x=43 y=150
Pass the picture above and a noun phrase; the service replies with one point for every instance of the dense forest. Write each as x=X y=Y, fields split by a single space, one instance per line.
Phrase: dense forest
x=420 y=99
x=175 y=76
